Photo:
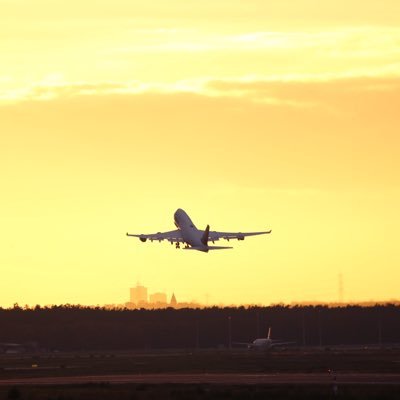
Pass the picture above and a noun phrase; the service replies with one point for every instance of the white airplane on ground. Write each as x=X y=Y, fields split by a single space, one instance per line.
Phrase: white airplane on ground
x=17 y=347
x=195 y=239
x=263 y=343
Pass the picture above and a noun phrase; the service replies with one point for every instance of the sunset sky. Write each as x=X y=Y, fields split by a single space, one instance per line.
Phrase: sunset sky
x=249 y=115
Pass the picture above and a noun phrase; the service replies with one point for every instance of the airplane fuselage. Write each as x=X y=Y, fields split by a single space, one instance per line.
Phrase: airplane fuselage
x=263 y=343
x=190 y=234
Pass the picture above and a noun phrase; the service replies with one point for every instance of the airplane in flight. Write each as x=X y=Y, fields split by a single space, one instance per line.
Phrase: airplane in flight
x=193 y=238
x=263 y=343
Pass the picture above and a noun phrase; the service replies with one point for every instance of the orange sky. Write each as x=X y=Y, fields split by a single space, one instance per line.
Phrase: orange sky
x=249 y=115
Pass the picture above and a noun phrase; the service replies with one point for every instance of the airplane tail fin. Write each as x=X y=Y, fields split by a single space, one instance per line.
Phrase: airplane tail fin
x=269 y=333
x=204 y=238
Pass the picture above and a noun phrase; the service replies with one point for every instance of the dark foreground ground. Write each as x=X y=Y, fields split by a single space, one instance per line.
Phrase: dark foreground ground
x=197 y=391
x=345 y=373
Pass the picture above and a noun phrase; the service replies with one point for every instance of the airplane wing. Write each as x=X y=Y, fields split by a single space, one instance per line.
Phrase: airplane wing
x=214 y=235
x=241 y=344
x=171 y=236
x=273 y=344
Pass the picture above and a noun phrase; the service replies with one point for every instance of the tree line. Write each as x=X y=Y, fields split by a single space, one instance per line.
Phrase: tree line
x=70 y=327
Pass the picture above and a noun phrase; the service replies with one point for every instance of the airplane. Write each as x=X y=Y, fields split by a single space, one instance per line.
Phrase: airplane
x=263 y=343
x=193 y=238
x=17 y=347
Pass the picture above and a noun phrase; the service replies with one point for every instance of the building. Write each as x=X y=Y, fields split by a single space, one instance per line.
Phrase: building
x=173 y=303
x=158 y=298
x=138 y=294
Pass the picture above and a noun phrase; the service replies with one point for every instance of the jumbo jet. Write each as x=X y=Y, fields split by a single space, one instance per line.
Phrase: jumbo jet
x=193 y=238
x=263 y=343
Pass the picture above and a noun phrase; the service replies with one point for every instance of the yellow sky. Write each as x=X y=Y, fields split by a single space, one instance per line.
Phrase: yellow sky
x=249 y=115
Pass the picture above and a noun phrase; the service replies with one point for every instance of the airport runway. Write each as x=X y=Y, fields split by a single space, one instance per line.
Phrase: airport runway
x=226 y=379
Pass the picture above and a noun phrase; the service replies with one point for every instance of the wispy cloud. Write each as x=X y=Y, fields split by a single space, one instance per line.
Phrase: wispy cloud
x=365 y=41
x=169 y=59
x=272 y=91
x=48 y=89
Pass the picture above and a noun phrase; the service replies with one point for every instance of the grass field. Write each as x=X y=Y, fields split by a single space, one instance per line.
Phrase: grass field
x=204 y=361
x=341 y=361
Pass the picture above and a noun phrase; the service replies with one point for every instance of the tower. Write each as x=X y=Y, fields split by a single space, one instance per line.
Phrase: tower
x=173 y=301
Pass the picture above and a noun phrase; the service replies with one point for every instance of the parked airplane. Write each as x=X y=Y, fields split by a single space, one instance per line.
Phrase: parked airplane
x=263 y=343
x=18 y=347
x=194 y=239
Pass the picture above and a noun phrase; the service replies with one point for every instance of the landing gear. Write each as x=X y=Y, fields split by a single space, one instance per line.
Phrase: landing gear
x=178 y=246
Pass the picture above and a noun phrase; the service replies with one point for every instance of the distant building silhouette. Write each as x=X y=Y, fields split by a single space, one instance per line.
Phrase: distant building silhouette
x=173 y=302
x=139 y=298
x=138 y=295
x=158 y=298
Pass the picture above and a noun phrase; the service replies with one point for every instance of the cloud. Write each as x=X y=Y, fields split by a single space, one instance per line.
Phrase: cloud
x=346 y=136
x=341 y=94
x=340 y=42
x=344 y=95
x=47 y=90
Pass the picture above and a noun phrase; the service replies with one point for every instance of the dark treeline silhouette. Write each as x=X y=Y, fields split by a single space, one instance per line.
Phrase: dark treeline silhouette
x=86 y=328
